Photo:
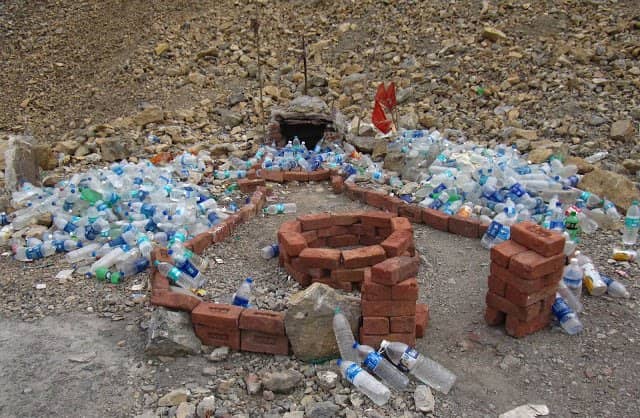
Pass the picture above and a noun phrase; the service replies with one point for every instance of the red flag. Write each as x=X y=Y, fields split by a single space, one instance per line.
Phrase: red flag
x=390 y=97
x=381 y=93
x=379 y=119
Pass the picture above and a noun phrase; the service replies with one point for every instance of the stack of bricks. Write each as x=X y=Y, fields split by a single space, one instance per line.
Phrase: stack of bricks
x=240 y=329
x=523 y=279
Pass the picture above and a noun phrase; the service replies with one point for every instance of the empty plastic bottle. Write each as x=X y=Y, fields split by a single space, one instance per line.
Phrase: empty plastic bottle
x=133 y=267
x=63 y=246
x=110 y=258
x=381 y=367
x=422 y=367
x=615 y=288
x=573 y=302
x=36 y=252
x=242 y=296
x=568 y=319
x=572 y=277
x=364 y=382
x=175 y=275
x=280 y=208
x=344 y=337
x=270 y=251
x=631 y=224
x=86 y=253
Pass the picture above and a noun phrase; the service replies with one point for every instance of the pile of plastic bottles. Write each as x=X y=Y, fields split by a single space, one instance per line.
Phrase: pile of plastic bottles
x=390 y=364
x=107 y=220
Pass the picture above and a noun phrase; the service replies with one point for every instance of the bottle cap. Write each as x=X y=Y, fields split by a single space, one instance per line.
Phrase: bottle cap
x=156 y=262
x=355 y=345
x=337 y=310
x=339 y=362
x=384 y=344
x=249 y=280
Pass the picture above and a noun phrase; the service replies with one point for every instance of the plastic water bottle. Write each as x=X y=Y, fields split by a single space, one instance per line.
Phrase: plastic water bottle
x=557 y=218
x=63 y=246
x=280 y=208
x=572 y=277
x=87 y=252
x=499 y=229
x=344 y=337
x=110 y=258
x=36 y=252
x=568 y=319
x=199 y=262
x=364 y=382
x=422 y=367
x=243 y=294
x=186 y=267
x=381 y=367
x=104 y=274
x=610 y=210
x=270 y=251
x=615 y=288
x=133 y=267
x=175 y=275
x=573 y=302
x=631 y=224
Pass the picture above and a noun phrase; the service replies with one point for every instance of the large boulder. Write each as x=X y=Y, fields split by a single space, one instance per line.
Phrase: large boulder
x=21 y=162
x=171 y=333
x=149 y=115
x=613 y=186
x=309 y=321
x=307 y=104
x=113 y=149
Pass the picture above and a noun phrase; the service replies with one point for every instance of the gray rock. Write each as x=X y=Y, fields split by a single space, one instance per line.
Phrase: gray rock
x=253 y=384
x=268 y=395
x=352 y=79
x=327 y=379
x=230 y=118
x=149 y=115
x=409 y=119
x=309 y=321
x=186 y=410
x=622 y=130
x=206 y=406
x=113 y=149
x=282 y=382
x=597 y=120
x=173 y=398
x=394 y=161
x=364 y=144
x=219 y=354
x=325 y=409
x=404 y=95
x=307 y=104
x=21 y=163
x=171 y=333
x=631 y=165
x=295 y=414
x=147 y=414
x=423 y=399
x=509 y=362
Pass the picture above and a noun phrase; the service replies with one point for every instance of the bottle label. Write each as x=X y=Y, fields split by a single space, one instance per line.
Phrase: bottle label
x=517 y=190
x=571 y=282
x=606 y=279
x=560 y=309
x=408 y=359
x=372 y=360
x=631 y=222
x=69 y=227
x=494 y=229
x=505 y=233
x=351 y=372
x=187 y=267
x=34 y=253
x=276 y=250
x=279 y=208
x=174 y=274
x=59 y=244
x=556 y=224
x=90 y=233
x=240 y=301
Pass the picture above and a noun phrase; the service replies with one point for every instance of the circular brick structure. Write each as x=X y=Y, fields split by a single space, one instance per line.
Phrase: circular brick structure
x=372 y=251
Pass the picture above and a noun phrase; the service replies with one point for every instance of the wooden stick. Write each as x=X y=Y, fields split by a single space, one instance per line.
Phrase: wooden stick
x=255 y=24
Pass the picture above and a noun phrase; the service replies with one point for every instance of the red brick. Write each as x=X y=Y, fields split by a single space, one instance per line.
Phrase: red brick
x=252 y=174
x=370 y=240
x=160 y=254
x=411 y=212
x=318 y=243
x=531 y=265
x=354 y=192
x=337 y=184
x=502 y=304
x=388 y=308
x=349 y=275
x=300 y=276
x=159 y=281
x=374 y=291
x=543 y=241
x=393 y=204
x=332 y=231
x=497 y=285
x=375 y=325
x=317 y=273
x=435 y=219
x=258 y=342
x=527 y=286
x=394 y=270
x=292 y=242
x=336 y=284
x=402 y=324
x=346 y=219
x=283 y=258
x=525 y=299
x=267 y=322
x=397 y=243
x=376 y=199
x=363 y=257
x=345 y=240
x=310 y=236
x=375 y=340
x=248 y=186
x=401 y=224
x=219 y=233
x=517 y=328
x=383 y=232
x=502 y=253
x=200 y=242
x=321 y=174
x=291 y=175
x=175 y=300
x=422 y=319
x=327 y=258
x=315 y=221
x=493 y=316
x=405 y=290
x=360 y=229
x=218 y=337
x=377 y=219
x=217 y=315
x=463 y=226
x=290 y=226
x=276 y=176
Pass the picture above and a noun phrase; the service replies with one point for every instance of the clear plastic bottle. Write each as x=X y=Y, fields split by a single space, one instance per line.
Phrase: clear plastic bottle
x=270 y=251
x=280 y=208
x=364 y=382
x=573 y=302
x=199 y=262
x=631 y=224
x=63 y=246
x=86 y=253
x=110 y=258
x=242 y=297
x=572 y=277
x=610 y=210
x=422 y=367
x=36 y=252
x=568 y=319
x=175 y=275
x=344 y=337
x=133 y=267
x=381 y=367
x=615 y=288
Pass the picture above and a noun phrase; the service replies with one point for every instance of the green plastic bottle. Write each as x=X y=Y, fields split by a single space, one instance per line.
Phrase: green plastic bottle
x=90 y=195
x=572 y=225
x=103 y=273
